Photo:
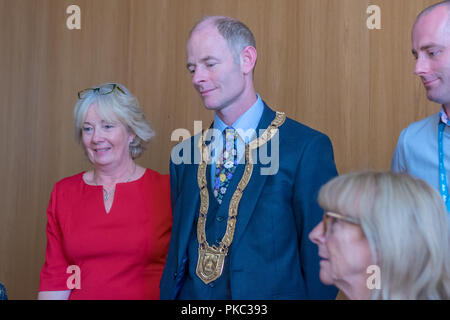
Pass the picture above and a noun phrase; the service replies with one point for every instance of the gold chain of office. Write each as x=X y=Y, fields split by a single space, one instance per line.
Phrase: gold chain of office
x=211 y=258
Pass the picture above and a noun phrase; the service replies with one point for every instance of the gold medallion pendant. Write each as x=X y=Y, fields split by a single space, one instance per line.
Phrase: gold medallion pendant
x=210 y=263
x=211 y=259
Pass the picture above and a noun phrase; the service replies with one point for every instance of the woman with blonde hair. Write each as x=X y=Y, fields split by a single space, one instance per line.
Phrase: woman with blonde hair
x=384 y=236
x=111 y=224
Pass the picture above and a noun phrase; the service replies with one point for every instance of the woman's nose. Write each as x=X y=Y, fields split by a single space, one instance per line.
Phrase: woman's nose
x=317 y=235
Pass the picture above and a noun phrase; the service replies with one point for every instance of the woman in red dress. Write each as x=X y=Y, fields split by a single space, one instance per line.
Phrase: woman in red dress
x=108 y=229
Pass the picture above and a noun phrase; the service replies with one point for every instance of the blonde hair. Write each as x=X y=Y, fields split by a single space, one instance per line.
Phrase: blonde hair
x=125 y=106
x=406 y=225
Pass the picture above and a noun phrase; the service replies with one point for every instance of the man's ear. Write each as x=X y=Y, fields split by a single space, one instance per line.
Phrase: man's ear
x=248 y=59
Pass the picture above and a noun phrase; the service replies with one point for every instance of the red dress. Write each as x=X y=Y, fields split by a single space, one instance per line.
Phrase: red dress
x=120 y=254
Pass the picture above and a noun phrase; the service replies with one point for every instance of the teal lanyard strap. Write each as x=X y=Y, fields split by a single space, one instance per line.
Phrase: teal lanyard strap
x=442 y=174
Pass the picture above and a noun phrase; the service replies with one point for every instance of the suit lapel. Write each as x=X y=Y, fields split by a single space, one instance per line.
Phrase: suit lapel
x=256 y=184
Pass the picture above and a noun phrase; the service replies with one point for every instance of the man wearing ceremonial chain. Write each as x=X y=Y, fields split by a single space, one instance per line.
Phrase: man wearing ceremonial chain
x=240 y=228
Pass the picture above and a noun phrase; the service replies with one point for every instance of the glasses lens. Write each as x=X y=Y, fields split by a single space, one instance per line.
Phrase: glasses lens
x=330 y=218
x=328 y=222
x=84 y=93
x=106 y=89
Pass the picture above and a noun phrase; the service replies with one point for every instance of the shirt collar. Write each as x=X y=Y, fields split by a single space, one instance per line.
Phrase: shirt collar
x=247 y=121
x=444 y=117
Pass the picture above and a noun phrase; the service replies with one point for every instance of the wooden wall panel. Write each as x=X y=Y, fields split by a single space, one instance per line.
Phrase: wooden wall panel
x=317 y=61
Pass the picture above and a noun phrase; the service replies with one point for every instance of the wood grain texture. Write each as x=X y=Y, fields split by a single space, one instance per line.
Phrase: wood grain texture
x=317 y=61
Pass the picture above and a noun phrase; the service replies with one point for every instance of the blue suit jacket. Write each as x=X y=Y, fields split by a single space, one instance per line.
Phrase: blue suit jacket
x=3 y=295
x=271 y=256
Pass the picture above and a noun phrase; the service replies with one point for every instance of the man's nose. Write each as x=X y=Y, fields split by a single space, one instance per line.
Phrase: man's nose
x=198 y=76
x=422 y=66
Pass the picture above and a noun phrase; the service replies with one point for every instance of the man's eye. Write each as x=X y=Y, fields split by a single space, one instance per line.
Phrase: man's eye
x=109 y=126
x=433 y=53
x=87 y=129
x=210 y=65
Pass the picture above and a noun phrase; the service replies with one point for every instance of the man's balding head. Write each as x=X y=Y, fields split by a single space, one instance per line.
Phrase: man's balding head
x=444 y=6
x=236 y=33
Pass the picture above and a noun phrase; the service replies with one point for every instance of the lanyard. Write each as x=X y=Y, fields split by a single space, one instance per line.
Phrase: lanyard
x=442 y=174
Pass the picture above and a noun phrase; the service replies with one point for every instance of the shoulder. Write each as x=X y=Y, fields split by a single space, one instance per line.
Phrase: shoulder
x=294 y=133
x=427 y=123
x=420 y=129
x=156 y=180
x=187 y=151
x=300 y=129
x=67 y=190
x=158 y=185
x=71 y=181
x=155 y=176
x=189 y=142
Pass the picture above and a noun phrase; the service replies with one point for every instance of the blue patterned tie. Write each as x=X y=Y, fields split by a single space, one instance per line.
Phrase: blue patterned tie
x=226 y=166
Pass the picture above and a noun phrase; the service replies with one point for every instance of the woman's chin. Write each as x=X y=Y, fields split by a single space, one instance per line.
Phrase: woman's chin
x=324 y=273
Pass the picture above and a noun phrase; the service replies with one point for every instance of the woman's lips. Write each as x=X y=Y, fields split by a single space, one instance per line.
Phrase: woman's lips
x=102 y=149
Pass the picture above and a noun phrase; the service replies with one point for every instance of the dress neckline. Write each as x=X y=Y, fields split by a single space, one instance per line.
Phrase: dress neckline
x=98 y=187
x=119 y=183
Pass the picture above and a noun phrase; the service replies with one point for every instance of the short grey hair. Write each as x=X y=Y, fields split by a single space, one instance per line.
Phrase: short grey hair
x=125 y=106
x=235 y=32
x=405 y=223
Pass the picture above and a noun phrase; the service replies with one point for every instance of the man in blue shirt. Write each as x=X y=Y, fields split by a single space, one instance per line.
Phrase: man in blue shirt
x=422 y=148
x=240 y=228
